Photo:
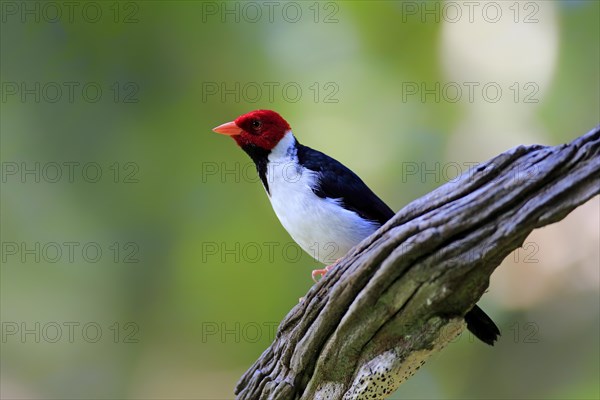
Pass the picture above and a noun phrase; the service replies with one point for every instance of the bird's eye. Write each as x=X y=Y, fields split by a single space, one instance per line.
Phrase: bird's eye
x=256 y=124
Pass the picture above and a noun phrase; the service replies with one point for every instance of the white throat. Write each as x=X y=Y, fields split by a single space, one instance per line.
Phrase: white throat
x=285 y=149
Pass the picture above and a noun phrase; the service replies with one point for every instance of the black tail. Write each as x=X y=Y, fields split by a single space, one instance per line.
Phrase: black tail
x=482 y=326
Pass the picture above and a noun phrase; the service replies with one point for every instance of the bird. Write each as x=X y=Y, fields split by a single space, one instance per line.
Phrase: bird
x=324 y=206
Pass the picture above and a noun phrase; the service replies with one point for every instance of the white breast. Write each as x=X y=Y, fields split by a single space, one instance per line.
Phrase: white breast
x=320 y=226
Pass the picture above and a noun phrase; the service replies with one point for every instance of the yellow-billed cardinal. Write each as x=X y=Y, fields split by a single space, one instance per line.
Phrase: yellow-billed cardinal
x=325 y=207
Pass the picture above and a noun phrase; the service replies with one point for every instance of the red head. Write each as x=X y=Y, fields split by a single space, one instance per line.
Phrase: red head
x=262 y=128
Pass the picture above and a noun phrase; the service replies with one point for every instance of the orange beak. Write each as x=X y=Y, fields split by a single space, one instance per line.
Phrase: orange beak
x=229 y=129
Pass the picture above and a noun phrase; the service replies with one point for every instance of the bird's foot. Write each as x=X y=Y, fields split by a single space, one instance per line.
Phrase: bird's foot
x=322 y=272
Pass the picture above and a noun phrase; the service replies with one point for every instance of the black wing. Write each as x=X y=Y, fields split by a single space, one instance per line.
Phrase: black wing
x=338 y=182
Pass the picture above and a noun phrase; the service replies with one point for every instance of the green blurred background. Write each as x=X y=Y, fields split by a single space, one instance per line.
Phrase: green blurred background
x=166 y=275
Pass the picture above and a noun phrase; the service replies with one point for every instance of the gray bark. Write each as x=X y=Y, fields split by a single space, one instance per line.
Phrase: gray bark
x=400 y=295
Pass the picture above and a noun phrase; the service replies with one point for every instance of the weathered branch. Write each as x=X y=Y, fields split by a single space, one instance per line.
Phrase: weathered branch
x=400 y=295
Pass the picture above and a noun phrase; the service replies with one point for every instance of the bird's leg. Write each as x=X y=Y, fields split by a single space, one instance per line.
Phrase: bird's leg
x=322 y=272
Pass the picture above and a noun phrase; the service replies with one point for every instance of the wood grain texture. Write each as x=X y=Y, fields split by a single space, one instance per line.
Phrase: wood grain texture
x=400 y=295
